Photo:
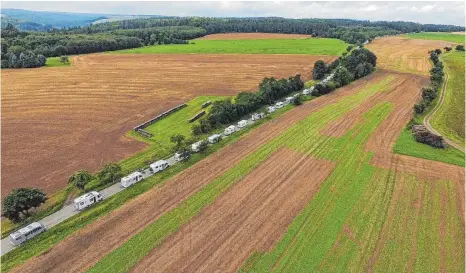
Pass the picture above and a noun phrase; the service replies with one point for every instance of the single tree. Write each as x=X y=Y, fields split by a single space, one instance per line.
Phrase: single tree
x=80 y=178
x=178 y=140
x=320 y=68
x=298 y=100
x=110 y=173
x=64 y=59
x=20 y=201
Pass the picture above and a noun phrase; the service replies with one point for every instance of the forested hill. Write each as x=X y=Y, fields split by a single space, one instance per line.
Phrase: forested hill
x=168 y=30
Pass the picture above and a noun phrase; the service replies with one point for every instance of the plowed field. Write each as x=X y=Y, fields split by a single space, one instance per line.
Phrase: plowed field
x=404 y=54
x=252 y=36
x=59 y=120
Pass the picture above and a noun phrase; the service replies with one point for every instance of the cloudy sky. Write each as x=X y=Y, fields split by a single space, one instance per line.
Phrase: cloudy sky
x=422 y=12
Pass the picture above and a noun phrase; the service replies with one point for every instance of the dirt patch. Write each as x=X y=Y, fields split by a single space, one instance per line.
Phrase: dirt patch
x=252 y=36
x=252 y=216
x=117 y=227
x=63 y=119
x=404 y=54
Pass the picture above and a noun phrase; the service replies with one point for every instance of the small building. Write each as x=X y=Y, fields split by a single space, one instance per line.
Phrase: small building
x=131 y=179
x=230 y=130
x=214 y=138
x=158 y=166
x=279 y=105
x=87 y=200
x=26 y=233
x=242 y=123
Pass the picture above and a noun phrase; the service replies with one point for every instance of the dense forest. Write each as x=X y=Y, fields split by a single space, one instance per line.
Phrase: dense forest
x=175 y=30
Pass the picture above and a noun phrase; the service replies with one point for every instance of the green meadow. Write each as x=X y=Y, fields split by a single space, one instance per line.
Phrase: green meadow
x=444 y=36
x=313 y=46
x=55 y=61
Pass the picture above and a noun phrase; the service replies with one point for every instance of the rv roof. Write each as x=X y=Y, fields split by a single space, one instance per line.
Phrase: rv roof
x=87 y=195
x=26 y=229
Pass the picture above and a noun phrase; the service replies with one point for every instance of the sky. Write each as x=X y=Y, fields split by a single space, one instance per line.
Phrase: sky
x=422 y=12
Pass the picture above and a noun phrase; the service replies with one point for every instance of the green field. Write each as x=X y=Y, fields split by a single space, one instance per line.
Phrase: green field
x=55 y=61
x=314 y=46
x=449 y=119
x=444 y=36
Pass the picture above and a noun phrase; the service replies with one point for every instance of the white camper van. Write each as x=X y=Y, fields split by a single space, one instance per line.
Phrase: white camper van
x=158 y=166
x=180 y=156
x=257 y=116
x=26 y=233
x=230 y=130
x=271 y=109
x=306 y=91
x=131 y=179
x=288 y=100
x=214 y=138
x=242 y=123
x=196 y=147
x=279 y=105
x=87 y=200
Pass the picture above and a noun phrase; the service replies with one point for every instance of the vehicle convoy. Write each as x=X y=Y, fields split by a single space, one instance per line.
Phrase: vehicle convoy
x=26 y=233
x=131 y=179
x=158 y=166
x=87 y=200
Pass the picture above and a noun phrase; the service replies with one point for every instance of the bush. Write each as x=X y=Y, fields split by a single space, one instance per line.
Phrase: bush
x=459 y=47
x=320 y=68
x=447 y=48
x=298 y=100
x=20 y=201
x=419 y=107
x=110 y=173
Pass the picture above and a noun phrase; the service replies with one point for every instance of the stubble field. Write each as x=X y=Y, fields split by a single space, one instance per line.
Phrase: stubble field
x=59 y=120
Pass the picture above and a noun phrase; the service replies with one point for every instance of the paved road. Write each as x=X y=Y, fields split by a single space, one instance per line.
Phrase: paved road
x=437 y=107
x=69 y=210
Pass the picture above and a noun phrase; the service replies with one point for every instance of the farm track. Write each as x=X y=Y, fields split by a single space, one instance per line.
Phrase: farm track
x=250 y=217
x=63 y=119
x=404 y=54
x=112 y=230
x=252 y=36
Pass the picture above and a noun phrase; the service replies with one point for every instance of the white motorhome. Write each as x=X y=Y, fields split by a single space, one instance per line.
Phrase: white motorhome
x=196 y=147
x=288 y=100
x=242 y=123
x=180 y=156
x=257 y=116
x=214 y=138
x=158 y=166
x=306 y=91
x=131 y=179
x=87 y=200
x=279 y=105
x=271 y=109
x=26 y=233
x=230 y=130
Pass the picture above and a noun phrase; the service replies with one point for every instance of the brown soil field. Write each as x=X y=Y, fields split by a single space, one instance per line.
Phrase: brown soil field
x=58 y=120
x=252 y=36
x=403 y=54
x=252 y=216
x=112 y=230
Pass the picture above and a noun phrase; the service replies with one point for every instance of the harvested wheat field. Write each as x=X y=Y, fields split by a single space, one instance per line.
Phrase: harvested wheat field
x=252 y=36
x=404 y=54
x=63 y=119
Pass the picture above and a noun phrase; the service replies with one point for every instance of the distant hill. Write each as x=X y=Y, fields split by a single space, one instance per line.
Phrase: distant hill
x=28 y=20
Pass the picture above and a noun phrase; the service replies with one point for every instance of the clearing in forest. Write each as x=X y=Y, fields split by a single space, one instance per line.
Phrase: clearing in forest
x=314 y=46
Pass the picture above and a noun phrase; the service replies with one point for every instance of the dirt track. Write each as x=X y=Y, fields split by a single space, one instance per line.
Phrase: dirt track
x=252 y=36
x=250 y=217
x=117 y=227
x=403 y=54
x=63 y=119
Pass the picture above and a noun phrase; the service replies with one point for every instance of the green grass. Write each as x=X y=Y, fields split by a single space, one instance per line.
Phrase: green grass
x=449 y=119
x=407 y=145
x=55 y=61
x=444 y=36
x=314 y=46
x=310 y=83
x=47 y=240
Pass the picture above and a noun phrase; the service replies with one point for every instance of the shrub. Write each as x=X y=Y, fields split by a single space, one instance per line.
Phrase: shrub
x=459 y=47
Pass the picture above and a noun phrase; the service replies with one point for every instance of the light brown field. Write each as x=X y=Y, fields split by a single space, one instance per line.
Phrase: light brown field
x=112 y=230
x=403 y=54
x=252 y=36
x=459 y=32
x=58 y=120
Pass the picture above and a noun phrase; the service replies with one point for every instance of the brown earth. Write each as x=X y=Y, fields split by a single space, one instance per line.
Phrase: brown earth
x=250 y=217
x=404 y=54
x=252 y=36
x=58 y=120
x=112 y=230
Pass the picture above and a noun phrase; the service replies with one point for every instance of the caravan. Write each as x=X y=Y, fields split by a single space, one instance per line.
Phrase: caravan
x=242 y=123
x=257 y=116
x=279 y=105
x=288 y=100
x=87 y=200
x=26 y=233
x=214 y=138
x=181 y=156
x=271 y=109
x=196 y=147
x=230 y=130
x=158 y=166
x=131 y=179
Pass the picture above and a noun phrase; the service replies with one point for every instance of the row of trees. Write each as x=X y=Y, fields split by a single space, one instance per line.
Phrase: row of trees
x=359 y=63
x=26 y=59
x=225 y=111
